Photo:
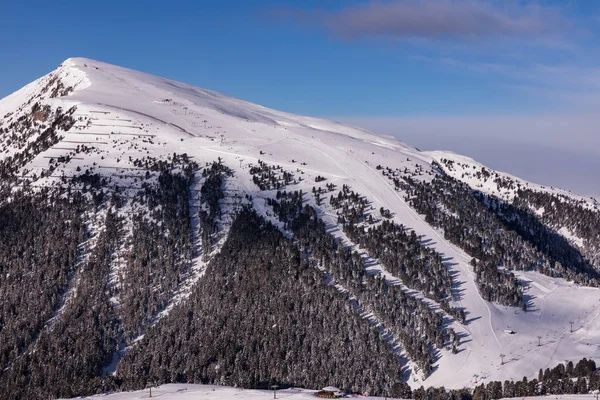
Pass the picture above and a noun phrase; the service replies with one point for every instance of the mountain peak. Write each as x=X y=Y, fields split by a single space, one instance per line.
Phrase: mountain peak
x=136 y=193
x=74 y=61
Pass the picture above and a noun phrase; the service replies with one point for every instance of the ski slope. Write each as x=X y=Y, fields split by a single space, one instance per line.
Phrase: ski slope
x=124 y=115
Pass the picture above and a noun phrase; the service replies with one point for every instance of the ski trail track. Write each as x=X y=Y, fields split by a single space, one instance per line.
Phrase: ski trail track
x=369 y=182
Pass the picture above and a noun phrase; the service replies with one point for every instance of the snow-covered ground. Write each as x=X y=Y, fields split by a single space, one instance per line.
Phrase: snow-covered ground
x=209 y=392
x=127 y=115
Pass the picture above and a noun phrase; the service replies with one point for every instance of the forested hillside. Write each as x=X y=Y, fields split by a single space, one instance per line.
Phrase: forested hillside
x=153 y=232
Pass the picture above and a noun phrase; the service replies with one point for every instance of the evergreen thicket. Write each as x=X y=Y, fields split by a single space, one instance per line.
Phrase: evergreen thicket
x=262 y=315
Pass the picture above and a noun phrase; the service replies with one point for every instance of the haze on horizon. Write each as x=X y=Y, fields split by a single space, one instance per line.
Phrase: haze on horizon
x=559 y=151
x=514 y=84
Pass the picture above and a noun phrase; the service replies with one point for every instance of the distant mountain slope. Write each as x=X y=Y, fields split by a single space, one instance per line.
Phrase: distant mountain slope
x=154 y=231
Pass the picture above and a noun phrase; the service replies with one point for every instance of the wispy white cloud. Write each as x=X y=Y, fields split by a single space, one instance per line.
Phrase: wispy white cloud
x=531 y=46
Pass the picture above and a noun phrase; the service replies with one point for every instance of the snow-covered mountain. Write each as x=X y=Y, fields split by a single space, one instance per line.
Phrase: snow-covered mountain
x=136 y=221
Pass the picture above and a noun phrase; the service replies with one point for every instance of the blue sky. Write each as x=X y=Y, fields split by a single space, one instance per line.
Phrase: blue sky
x=369 y=61
x=303 y=60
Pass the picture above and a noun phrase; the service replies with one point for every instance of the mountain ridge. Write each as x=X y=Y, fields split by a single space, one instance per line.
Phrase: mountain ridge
x=434 y=251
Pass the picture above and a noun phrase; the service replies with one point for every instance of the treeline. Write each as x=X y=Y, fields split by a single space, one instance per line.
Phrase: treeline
x=268 y=309
x=559 y=257
x=55 y=87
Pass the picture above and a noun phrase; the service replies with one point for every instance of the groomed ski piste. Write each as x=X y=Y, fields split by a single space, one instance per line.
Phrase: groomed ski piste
x=124 y=115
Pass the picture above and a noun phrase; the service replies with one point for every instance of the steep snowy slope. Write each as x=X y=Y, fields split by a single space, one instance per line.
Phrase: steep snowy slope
x=123 y=118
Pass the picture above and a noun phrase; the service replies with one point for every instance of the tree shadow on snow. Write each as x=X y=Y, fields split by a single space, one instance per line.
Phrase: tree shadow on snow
x=527 y=297
x=331 y=229
x=469 y=320
x=462 y=338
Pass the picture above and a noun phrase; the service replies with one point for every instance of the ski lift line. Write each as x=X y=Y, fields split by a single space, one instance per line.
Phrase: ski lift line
x=180 y=128
x=129 y=176
x=83 y=142
x=180 y=112
x=88 y=133
x=134 y=169
x=133 y=134
x=111 y=167
x=56 y=176
x=71 y=158
x=119 y=126
x=146 y=115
